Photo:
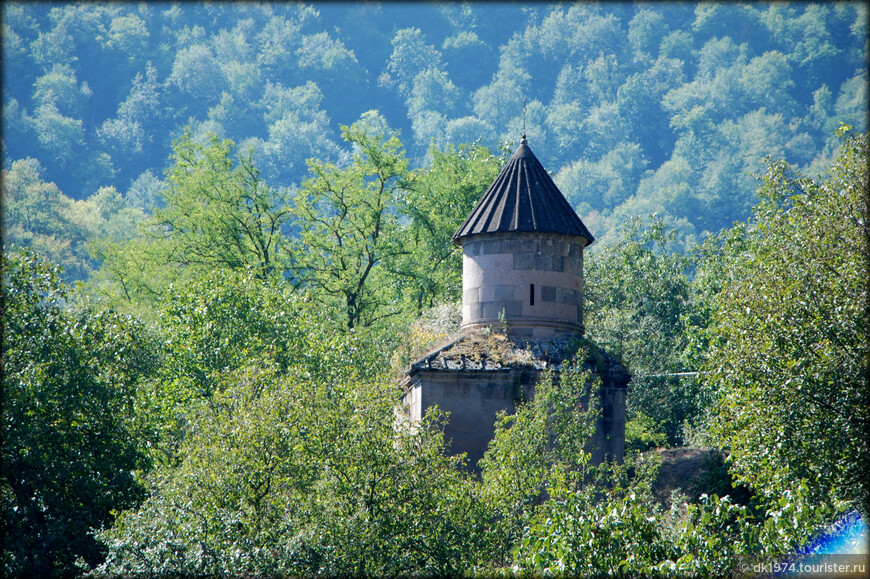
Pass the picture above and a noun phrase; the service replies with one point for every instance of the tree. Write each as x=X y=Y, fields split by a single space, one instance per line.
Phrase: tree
x=197 y=75
x=129 y=35
x=70 y=452
x=432 y=90
x=542 y=446
x=218 y=214
x=348 y=227
x=60 y=86
x=411 y=56
x=616 y=528
x=636 y=300
x=437 y=200
x=38 y=215
x=789 y=349
x=61 y=136
x=217 y=324
x=282 y=472
x=645 y=33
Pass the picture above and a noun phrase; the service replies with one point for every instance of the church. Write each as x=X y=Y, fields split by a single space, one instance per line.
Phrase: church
x=522 y=314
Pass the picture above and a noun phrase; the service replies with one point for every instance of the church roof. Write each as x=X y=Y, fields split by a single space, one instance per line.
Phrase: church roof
x=523 y=198
x=497 y=352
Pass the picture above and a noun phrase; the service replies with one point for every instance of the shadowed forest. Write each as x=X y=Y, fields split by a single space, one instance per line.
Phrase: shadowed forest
x=227 y=232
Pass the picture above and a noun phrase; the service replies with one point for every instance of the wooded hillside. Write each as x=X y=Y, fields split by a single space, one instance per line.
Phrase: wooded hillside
x=635 y=108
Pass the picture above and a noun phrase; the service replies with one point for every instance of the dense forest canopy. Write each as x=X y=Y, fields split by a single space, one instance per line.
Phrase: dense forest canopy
x=228 y=229
x=635 y=108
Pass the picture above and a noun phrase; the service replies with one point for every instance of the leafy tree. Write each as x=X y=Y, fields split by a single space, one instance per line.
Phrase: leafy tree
x=218 y=214
x=432 y=90
x=645 y=33
x=299 y=129
x=543 y=445
x=60 y=86
x=330 y=58
x=639 y=102
x=437 y=199
x=59 y=135
x=622 y=531
x=604 y=184
x=286 y=474
x=222 y=322
x=197 y=75
x=129 y=34
x=70 y=452
x=498 y=102
x=636 y=299
x=277 y=43
x=411 y=56
x=38 y=215
x=128 y=133
x=789 y=354
x=349 y=235
x=463 y=48
x=582 y=533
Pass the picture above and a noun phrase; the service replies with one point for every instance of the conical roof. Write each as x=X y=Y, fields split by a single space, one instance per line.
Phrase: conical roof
x=523 y=198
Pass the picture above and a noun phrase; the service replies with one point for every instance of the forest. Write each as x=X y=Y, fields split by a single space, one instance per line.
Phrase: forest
x=227 y=232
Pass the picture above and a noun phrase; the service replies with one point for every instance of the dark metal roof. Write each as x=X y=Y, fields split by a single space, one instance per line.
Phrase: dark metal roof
x=523 y=198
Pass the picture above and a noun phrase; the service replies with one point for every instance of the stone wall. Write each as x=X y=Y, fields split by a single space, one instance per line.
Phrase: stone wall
x=534 y=280
x=473 y=398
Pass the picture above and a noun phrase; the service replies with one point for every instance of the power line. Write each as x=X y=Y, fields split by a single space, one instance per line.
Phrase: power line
x=669 y=375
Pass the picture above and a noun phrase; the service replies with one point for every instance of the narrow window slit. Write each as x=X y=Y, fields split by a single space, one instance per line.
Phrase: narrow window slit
x=532 y=295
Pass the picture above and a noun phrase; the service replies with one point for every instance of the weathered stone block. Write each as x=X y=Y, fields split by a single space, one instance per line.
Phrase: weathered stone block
x=471 y=295
x=548 y=293
x=504 y=292
x=524 y=261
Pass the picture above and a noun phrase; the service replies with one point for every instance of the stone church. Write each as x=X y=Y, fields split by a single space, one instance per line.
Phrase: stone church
x=522 y=313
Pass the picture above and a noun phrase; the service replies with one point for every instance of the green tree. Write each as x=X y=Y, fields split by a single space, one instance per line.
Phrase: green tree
x=218 y=214
x=286 y=473
x=437 y=200
x=61 y=136
x=70 y=450
x=37 y=215
x=60 y=86
x=616 y=528
x=411 y=56
x=636 y=301
x=542 y=446
x=197 y=75
x=789 y=353
x=349 y=234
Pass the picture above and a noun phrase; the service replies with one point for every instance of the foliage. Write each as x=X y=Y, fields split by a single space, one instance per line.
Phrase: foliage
x=219 y=323
x=38 y=216
x=349 y=235
x=218 y=214
x=636 y=301
x=618 y=529
x=710 y=89
x=258 y=396
x=437 y=199
x=71 y=448
x=592 y=531
x=789 y=351
x=544 y=444
x=287 y=475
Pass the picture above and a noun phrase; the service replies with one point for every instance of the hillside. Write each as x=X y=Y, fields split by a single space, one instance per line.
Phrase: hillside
x=635 y=108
